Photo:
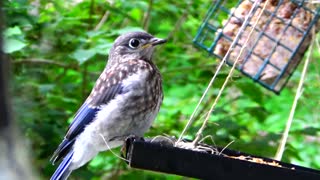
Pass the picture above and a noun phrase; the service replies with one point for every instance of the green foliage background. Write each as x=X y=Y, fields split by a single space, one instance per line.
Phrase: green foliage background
x=57 y=50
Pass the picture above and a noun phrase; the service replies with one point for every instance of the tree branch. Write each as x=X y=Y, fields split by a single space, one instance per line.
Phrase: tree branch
x=146 y=18
x=46 y=62
x=189 y=68
x=180 y=20
x=104 y=17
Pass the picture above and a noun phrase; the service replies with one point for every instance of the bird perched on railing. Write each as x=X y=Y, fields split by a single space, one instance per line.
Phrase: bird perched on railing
x=124 y=101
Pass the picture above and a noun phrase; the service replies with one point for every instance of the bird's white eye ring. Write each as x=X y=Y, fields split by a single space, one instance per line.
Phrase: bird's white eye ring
x=134 y=43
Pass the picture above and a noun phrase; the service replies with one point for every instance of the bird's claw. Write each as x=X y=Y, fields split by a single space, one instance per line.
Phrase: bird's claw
x=131 y=138
x=125 y=149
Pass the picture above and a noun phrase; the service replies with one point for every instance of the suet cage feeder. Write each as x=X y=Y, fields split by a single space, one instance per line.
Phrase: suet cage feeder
x=275 y=47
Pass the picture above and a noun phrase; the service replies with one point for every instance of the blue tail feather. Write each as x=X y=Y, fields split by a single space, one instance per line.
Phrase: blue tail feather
x=63 y=171
x=62 y=150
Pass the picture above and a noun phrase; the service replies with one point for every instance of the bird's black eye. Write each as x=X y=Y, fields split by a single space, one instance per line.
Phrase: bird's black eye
x=134 y=43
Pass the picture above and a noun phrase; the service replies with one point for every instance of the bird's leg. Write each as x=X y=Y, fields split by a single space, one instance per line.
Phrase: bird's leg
x=125 y=149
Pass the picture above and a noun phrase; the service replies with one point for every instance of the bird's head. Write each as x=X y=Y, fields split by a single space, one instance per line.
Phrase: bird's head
x=133 y=45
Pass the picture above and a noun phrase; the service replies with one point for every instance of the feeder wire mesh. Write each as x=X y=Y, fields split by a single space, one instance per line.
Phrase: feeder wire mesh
x=275 y=48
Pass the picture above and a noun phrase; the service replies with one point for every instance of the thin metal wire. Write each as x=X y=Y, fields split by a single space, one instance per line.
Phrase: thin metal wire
x=299 y=92
x=199 y=103
x=204 y=124
x=246 y=21
x=110 y=149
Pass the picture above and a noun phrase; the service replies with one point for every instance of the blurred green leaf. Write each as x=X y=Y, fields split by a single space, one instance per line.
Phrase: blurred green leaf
x=258 y=112
x=12 y=31
x=11 y=45
x=82 y=55
x=45 y=88
x=13 y=40
x=252 y=91
x=103 y=48
x=127 y=29
x=311 y=131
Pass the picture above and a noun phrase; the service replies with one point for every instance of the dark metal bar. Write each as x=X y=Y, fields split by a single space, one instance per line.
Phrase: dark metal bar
x=168 y=159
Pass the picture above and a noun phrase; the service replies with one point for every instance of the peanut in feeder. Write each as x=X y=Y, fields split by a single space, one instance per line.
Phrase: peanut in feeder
x=275 y=47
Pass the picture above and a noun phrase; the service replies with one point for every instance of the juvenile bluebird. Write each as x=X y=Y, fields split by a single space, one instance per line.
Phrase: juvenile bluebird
x=124 y=101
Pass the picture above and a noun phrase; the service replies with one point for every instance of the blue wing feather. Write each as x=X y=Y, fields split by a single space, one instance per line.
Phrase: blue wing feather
x=83 y=117
x=87 y=112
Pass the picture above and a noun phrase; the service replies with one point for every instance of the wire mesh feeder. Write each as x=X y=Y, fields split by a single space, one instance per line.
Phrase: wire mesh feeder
x=276 y=45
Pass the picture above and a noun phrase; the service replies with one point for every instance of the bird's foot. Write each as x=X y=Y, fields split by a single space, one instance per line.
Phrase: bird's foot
x=125 y=149
x=133 y=138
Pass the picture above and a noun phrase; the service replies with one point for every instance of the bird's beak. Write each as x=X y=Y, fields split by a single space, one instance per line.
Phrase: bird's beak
x=156 y=41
